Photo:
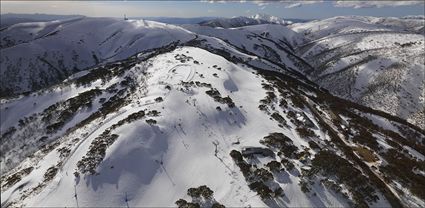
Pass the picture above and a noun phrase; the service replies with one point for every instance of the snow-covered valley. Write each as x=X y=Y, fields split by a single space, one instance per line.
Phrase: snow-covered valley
x=377 y=62
x=196 y=115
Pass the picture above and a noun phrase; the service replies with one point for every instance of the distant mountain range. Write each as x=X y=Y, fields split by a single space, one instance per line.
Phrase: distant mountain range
x=245 y=21
x=11 y=19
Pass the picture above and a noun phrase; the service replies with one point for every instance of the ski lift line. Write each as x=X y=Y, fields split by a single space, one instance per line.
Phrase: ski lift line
x=76 y=196
x=126 y=200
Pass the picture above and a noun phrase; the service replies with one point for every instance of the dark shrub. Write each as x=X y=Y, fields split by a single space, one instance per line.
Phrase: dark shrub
x=150 y=121
x=366 y=138
x=304 y=186
x=262 y=190
x=217 y=205
x=313 y=145
x=274 y=166
x=278 y=192
x=276 y=116
x=287 y=164
x=280 y=142
x=305 y=132
x=158 y=99
x=16 y=177
x=153 y=113
x=194 y=192
x=181 y=203
x=50 y=173
x=330 y=164
x=206 y=192
x=236 y=155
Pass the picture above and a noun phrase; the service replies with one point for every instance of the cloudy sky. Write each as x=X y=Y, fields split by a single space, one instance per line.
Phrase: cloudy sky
x=223 y=8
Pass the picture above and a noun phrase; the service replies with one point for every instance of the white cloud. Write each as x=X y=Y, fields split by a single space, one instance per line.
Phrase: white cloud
x=262 y=3
x=350 y=4
x=214 y=1
x=374 y=4
x=286 y=3
x=293 y=5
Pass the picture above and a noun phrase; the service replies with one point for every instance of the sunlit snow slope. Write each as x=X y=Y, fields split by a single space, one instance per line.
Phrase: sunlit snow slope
x=36 y=55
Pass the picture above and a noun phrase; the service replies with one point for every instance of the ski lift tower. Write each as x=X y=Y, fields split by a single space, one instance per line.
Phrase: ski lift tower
x=125 y=17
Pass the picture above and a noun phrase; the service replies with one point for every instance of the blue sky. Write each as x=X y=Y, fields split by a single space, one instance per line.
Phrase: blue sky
x=222 y=8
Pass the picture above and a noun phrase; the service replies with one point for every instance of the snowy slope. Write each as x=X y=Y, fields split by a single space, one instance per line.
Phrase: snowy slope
x=269 y=41
x=122 y=157
x=183 y=141
x=377 y=62
x=33 y=54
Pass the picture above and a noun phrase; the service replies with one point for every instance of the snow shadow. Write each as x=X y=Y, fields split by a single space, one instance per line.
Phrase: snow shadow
x=282 y=177
x=230 y=85
x=231 y=116
x=137 y=156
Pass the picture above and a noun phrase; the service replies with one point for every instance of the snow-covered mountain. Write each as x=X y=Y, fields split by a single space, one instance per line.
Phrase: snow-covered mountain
x=271 y=19
x=269 y=41
x=232 y=22
x=9 y=19
x=378 y=62
x=35 y=55
x=244 y=21
x=198 y=116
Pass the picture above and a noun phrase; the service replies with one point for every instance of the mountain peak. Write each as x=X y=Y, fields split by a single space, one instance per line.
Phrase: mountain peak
x=269 y=18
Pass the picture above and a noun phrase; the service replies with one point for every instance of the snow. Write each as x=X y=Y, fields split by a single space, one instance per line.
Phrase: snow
x=364 y=59
x=269 y=18
x=415 y=153
x=382 y=122
x=241 y=21
x=178 y=153
x=109 y=39
x=253 y=38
